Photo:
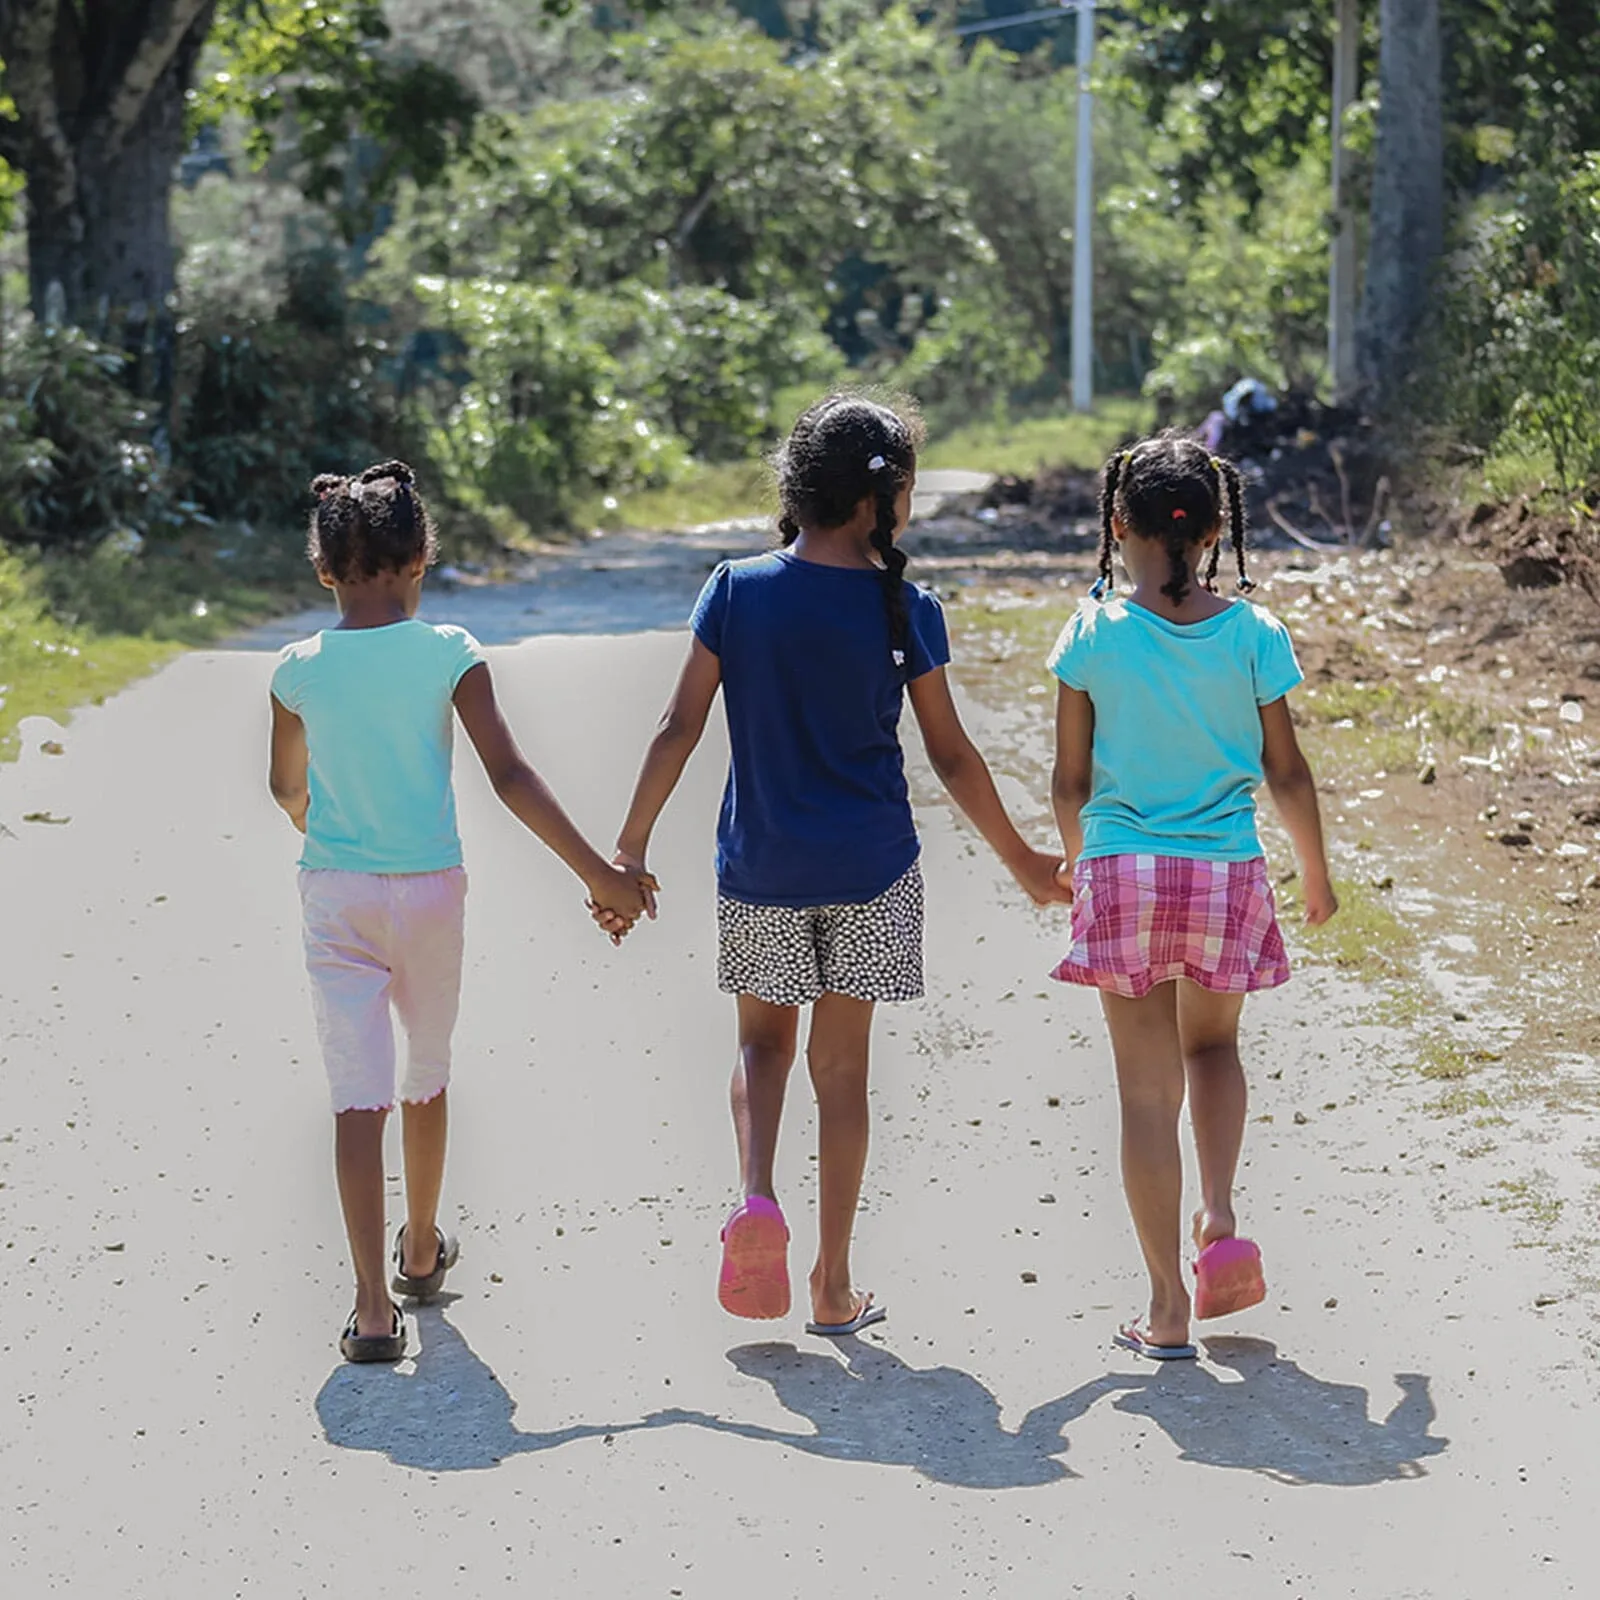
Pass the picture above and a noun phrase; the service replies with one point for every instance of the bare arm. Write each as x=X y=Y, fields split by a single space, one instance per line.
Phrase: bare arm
x=1071 y=782
x=1294 y=792
x=529 y=798
x=679 y=731
x=965 y=774
x=286 y=777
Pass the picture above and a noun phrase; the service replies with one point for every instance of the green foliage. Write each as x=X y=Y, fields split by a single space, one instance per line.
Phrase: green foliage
x=266 y=402
x=542 y=420
x=1248 y=295
x=1515 y=350
x=364 y=116
x=76 y=463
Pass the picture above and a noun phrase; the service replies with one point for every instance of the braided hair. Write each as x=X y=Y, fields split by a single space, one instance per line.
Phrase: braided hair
x=842 y=451
x=371 y=523
x=1172 y=489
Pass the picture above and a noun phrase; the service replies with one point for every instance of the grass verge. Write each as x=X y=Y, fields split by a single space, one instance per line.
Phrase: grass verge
x=1025 y=444
x=75 y=629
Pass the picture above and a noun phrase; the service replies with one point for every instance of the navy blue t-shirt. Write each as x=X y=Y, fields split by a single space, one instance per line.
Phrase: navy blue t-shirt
x=816 y=811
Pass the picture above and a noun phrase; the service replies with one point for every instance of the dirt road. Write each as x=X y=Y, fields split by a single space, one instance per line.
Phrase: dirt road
x=1410 y=1415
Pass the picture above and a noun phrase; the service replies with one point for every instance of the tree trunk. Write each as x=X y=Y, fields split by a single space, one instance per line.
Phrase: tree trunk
x=98 y=135
x=1407 y=193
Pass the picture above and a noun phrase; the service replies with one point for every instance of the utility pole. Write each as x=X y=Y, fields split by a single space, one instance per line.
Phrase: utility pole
x=1083 y=219
x=1342 y=297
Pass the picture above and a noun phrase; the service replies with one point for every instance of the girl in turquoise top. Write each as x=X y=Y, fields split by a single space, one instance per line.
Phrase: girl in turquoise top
x=1171 y=710
x=362 y=719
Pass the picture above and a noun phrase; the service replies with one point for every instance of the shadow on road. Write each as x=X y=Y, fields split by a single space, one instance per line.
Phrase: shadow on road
x=1273 y=1418
x=444 y=1412
x=866 y=1404
x=1276 y=1419
x=447 y=1412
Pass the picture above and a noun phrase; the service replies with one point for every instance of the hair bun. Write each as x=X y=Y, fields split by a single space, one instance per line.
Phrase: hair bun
x=326 y=483
x=398 y=471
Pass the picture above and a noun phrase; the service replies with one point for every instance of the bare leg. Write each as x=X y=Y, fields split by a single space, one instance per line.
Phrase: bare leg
x=1144 y=1040
x=767 y=1035
x=424 y=1125
x=1208 y=1027
x=841 y=1031
x=358 y=1161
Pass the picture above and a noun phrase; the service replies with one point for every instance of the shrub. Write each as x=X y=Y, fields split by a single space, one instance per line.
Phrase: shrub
x=76 y=461
x=1515 y=346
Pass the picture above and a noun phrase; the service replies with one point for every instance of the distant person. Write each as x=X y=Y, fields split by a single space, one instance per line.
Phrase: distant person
x=361 y=763
x=1171 y=710
x=816 y=646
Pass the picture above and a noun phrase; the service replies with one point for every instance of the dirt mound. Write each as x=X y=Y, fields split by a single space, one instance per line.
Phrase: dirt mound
x=1314 y=474
x=1540 y=549
x=1313 y=477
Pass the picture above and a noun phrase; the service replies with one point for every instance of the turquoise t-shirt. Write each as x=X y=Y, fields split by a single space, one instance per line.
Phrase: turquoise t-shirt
x=1177 y=725
x=379 y=717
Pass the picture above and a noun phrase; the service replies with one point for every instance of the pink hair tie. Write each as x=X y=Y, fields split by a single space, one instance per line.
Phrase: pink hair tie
x=1179 y=514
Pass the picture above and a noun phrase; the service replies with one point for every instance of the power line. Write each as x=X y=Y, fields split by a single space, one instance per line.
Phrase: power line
x=995 y=24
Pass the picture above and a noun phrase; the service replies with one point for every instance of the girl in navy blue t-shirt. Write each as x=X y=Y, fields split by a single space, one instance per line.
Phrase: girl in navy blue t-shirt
x=815 y=647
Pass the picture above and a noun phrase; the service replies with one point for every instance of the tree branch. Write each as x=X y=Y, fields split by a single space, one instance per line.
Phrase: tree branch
x=171 y=22
x=27 y=35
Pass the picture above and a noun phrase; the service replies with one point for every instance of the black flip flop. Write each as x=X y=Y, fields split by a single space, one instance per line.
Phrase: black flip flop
x=390 y=1346
x=424 y=1289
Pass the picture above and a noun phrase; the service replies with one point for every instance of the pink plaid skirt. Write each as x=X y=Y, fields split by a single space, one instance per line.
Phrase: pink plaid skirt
x=1142 y=920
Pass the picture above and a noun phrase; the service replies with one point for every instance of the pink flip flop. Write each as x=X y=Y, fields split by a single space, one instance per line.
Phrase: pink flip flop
x=755 y=1261
x=1228 y=1278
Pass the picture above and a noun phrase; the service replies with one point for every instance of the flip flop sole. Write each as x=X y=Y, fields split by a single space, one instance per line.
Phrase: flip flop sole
x=754 y=1281
x=1229 y=1280
x=1156 y=1352
x=838 y=1330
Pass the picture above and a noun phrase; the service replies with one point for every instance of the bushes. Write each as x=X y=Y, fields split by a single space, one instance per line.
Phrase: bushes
x=568 y=394
x=1515 y=349
x=76 y=462
x=266 y=403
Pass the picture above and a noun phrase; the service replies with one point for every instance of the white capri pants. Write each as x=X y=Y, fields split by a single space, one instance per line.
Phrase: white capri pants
x=376 y=941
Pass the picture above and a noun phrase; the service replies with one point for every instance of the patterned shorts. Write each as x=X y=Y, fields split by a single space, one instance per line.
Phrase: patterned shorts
x=1142 y=920
x=789 y=955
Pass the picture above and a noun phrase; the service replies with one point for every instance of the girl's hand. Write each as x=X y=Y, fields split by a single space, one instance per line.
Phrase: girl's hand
x=1321 y=901
x=649 y=887
x=616 y=901
x=1045 y=878
x=609 y=923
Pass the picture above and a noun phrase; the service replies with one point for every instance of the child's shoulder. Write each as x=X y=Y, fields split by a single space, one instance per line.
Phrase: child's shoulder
x=301 y=650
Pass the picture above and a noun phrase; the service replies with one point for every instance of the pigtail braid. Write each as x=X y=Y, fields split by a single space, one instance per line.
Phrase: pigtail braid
x=1110 y=478
x=886 y=492
x=1235 y=487
x=1210 y=575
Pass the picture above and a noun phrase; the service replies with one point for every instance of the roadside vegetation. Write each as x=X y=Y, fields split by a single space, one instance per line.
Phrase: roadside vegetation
x=582 y=264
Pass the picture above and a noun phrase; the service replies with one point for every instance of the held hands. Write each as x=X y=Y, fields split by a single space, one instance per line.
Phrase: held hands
x=1045 y=878
x=627 y=892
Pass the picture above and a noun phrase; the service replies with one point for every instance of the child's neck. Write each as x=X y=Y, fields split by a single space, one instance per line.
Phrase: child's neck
x=1198 y=604
x=378 y=602
x=835 y=547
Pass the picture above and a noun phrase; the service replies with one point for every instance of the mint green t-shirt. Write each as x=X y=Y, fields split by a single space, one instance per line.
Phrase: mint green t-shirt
x=379 y=718
x=1177 y=725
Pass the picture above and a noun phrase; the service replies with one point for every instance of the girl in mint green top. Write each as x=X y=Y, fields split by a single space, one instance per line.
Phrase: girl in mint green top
x=363 y=719
x=1177 y=739
x=1170 y=713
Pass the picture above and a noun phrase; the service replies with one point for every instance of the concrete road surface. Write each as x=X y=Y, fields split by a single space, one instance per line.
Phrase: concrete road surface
x=580 y=1419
